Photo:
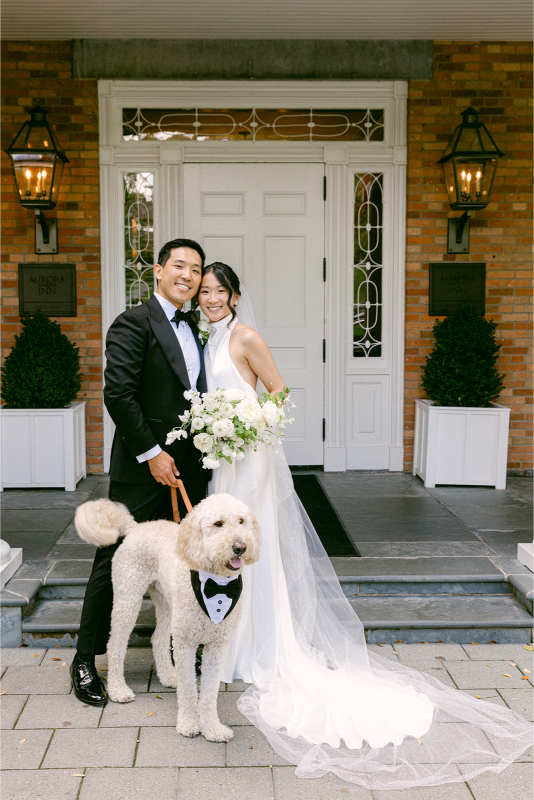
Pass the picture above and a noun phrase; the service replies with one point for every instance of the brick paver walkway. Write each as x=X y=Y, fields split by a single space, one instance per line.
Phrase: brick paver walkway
x=55 y=747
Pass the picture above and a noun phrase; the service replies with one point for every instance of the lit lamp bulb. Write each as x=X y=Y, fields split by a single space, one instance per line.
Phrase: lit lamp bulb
x=38 y=190
x=43 y=189
x=468 y=189
x=28 y=177
x=463 y=181
x=478 y=181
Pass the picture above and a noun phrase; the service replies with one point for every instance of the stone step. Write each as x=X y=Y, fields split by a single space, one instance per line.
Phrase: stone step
x=480 y=618
x=358 y=576
x=56 y=621
x=408 y=576
x=439 y=618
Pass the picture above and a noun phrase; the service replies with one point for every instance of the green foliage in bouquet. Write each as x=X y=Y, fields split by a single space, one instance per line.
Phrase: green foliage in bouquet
x=278 y=397
x=461 y=370
x=43 y=368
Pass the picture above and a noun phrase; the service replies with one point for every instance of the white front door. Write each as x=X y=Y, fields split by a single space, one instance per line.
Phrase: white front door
x=267 y=222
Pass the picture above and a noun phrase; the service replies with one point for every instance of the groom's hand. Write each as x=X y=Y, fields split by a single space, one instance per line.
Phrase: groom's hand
x=163 y=469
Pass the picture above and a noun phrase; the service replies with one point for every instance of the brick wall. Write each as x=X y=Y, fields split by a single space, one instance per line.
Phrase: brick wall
x=40 y=73
x=495 y=78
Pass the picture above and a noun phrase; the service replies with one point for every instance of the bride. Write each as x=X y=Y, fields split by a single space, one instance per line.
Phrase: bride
x=321 y=698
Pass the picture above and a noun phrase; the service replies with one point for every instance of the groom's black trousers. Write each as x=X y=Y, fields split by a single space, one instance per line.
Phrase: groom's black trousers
x=145 y=502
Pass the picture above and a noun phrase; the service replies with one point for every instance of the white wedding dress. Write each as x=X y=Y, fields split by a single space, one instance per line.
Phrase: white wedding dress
x=324 y=702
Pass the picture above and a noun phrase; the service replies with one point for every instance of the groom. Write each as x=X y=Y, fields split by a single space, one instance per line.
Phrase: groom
x=153 y=355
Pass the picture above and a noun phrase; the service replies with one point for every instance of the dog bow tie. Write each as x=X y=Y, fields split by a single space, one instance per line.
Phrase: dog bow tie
x=185 y=316
x=232 y=589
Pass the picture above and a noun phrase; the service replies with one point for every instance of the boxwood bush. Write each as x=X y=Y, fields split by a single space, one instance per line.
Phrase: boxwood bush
x=43 y=368
x=461 y=369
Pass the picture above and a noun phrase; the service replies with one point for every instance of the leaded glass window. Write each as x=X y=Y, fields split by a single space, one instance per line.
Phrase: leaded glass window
x=252 y=124
x=368 y=238
x=138 y=237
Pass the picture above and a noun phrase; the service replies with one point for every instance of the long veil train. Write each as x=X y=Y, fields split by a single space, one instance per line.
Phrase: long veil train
x=327 y=704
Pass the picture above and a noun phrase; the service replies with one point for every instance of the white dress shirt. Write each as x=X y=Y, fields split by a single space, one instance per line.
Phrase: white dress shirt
x=186 y=339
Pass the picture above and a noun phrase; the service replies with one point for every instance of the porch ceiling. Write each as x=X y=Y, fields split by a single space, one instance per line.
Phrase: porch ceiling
x=459 y=20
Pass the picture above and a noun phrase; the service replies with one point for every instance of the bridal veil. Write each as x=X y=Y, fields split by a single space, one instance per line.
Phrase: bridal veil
x=328 y=704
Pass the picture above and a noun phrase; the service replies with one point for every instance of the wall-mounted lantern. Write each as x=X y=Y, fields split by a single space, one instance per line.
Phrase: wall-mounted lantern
x=469 y=164
x=37 y=161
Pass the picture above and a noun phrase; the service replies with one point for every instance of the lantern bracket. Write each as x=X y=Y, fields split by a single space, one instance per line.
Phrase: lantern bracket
x=45 y=233
x=458 y=238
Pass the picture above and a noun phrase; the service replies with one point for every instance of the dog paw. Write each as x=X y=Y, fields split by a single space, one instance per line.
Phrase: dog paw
x=217 y=733
x=188 y=727
x=168 y=680
x=120 y=694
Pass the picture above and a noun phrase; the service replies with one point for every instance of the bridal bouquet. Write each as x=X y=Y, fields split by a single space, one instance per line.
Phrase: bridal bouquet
x=225 y=421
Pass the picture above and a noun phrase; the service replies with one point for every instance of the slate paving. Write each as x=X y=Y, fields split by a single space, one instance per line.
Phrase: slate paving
x=50 y=740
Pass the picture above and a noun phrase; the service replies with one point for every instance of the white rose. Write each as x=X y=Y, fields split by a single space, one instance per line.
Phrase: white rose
x=210 y=403
x=222 y=428
x=210 y=463
x=173 y=435
x=203 y=325
x=234 y=395
x=226 y=410
x=270 y=413
x=260 y=426
x=197 y=423
x=248 y=411
x=203 y=442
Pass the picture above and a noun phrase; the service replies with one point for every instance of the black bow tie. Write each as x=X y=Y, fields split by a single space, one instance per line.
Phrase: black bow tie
x=231 y=590
x=185 y=316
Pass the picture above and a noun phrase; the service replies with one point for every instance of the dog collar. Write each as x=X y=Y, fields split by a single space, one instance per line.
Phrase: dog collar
x=216 y=596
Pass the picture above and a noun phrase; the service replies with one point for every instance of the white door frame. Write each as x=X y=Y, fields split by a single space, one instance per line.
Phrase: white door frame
x=380 y=447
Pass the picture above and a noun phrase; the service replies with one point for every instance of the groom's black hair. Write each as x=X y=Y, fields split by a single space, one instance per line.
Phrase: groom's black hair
x=165 y=251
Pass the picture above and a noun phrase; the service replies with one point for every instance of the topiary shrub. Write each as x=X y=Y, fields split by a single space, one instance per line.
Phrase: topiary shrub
x=43 y=368
x=461 y=370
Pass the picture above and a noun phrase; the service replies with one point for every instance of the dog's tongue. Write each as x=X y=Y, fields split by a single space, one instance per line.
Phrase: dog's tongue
x=236 y=563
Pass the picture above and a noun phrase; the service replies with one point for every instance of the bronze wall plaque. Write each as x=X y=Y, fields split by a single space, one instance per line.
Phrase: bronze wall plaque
x=454 y=284
x=49 y=287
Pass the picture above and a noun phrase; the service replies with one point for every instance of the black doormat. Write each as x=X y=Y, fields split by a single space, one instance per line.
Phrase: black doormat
x=331 y=532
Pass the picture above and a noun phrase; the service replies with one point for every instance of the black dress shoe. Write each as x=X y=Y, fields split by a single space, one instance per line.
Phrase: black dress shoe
x=88 y=685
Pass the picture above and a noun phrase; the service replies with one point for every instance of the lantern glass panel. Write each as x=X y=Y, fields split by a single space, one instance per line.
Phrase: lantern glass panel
x=58 y=174
x=450 y=180
x=34 y=174
x=33 y=136
x=474 y=139
x=475 y=177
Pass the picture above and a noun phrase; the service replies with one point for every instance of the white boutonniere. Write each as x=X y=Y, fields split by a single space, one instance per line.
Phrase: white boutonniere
x=203 y=330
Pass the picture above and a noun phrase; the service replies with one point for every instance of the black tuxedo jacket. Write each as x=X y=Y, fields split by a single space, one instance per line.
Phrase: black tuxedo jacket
x=145 y=380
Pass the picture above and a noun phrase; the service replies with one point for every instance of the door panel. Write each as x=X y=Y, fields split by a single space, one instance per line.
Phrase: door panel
x=267 y=222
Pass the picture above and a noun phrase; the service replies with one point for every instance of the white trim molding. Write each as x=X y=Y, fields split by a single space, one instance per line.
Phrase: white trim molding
x=348 y=380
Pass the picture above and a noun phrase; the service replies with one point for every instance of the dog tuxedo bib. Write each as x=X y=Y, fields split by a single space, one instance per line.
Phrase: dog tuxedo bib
x=216 y=596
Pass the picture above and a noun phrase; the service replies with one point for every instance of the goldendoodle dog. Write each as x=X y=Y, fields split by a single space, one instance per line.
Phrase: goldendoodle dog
x=192 y=571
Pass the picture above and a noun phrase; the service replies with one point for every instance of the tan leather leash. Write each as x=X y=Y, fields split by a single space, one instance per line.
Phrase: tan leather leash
x=174 y=498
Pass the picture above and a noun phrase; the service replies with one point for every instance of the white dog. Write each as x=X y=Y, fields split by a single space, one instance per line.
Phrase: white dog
x=182 y=566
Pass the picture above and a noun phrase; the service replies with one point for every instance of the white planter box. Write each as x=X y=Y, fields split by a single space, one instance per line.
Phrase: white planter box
x=43 y=447
x=463 y=446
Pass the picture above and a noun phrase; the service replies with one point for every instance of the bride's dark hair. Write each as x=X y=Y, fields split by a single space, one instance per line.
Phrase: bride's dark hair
x=227 y=278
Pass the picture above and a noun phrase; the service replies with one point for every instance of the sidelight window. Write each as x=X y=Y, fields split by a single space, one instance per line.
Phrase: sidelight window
x=368 y=241
x=138 y=237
